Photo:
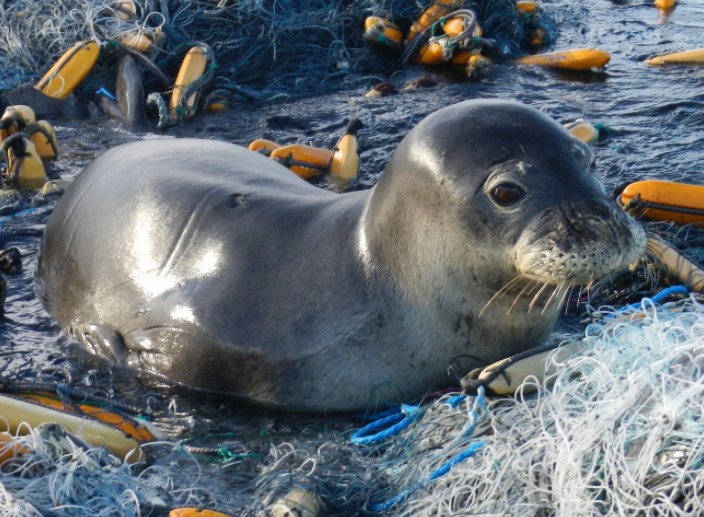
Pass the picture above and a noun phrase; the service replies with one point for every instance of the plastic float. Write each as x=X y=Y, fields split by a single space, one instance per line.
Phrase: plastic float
x=679 y=266
x=95 y=425
x=432 y=14
x=527 y=6
x=188 y=81
x=383 y=33
x=298 y=502
x=27 y=144
x=584 y=131
x=688 y=57
x=69 y=70
x=24 y=168
x=306 y=161
x=665 y=201
x=195 y=512
x=664 y=5
x=344 y=164
x=577 y=59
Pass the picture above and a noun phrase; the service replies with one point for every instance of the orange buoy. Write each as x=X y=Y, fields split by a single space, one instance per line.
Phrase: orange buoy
x=384 y=33
x=526 y=6
x=688 y=57
x=304 y=160
x=680 y=266
x=577 y=59
x=664 y=5
x=437 y=10
x=135 y=429
x=263 y=146
x=9 y=449
x=195 y=512
x=69 y=70
x=344 y=161
x=666 y=201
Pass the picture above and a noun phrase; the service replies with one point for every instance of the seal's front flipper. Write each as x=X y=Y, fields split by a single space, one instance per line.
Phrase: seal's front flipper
x=101 y=341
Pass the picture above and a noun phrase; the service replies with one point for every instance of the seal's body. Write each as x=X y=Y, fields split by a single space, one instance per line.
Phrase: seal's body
x=217 y=268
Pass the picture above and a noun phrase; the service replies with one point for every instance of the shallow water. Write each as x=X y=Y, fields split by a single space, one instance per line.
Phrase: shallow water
x=655 y=129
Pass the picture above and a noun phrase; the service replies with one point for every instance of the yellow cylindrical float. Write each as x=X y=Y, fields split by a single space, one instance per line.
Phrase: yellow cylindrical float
x=136 y=40
x=69 y=70
x=195 y=512
x=666 y=201
x=688 y=57
x=192 y=68
x=304 y=160
x=263 y=146
x=577 y=59
x=679 y=266
x=437 y=10
x=20 y=415
x=25 y=169
x=527 y=7
x=664 y=5
x=344 y=163
x=44 y=139
x=15 y=119
x=383 y=33
x=584 y=131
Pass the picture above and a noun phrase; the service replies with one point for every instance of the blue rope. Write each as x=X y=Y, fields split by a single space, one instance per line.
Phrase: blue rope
x=107 y=93
x=439 y=472
x=386 y=426
x=662 y=295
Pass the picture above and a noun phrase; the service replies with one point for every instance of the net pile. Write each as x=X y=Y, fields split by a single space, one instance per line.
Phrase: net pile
x=621 y=431
x=291 y=47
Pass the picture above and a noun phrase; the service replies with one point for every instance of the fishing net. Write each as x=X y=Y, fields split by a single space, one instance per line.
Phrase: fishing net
x=621 y=431
x=261 y=45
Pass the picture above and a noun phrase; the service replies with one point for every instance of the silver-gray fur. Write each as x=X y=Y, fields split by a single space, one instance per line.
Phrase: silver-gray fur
x=217 y=268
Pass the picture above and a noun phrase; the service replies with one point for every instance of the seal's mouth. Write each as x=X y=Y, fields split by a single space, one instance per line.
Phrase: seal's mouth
x=578 y=244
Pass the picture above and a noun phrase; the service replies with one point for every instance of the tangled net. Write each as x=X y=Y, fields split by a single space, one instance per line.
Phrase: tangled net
x=291 y=47
x=621 y=431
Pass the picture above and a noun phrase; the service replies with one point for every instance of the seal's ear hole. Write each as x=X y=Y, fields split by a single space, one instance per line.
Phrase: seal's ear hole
x=507 y=194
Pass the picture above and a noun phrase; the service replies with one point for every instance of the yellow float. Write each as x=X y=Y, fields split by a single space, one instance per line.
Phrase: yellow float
x=101 y=429
x=69 y=70
x=665 y=5
x=437 y=10
x=304 y=160
x=384 y=33
x=577 y=59
x=344 y=163
x=688 y=57
x=666 y=201
x=192 y=68
x=24 y=166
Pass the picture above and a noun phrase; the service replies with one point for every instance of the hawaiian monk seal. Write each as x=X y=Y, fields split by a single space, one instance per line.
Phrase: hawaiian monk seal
x=217 y=268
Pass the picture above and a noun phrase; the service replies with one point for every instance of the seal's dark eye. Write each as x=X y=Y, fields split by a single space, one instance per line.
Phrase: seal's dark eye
x=507 y=194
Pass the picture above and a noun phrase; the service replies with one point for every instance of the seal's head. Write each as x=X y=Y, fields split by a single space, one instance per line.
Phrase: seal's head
x=523 y=192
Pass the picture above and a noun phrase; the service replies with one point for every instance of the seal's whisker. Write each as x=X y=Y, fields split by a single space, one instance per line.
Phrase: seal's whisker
x=537 y=295
x=508 y=285
x=529 y=288
x=562 y=286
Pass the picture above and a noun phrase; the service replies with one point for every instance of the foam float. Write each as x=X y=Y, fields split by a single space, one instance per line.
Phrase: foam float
x=97 y=426
x=666 y=201
x=69 y=70
x=344 y=163
x=577 y=59
x=665 y=5
x=383 y=33
x=688 y=57
x=193 y=68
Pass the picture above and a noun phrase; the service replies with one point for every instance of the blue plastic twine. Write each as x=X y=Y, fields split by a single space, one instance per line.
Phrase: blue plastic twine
x=386 y=426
